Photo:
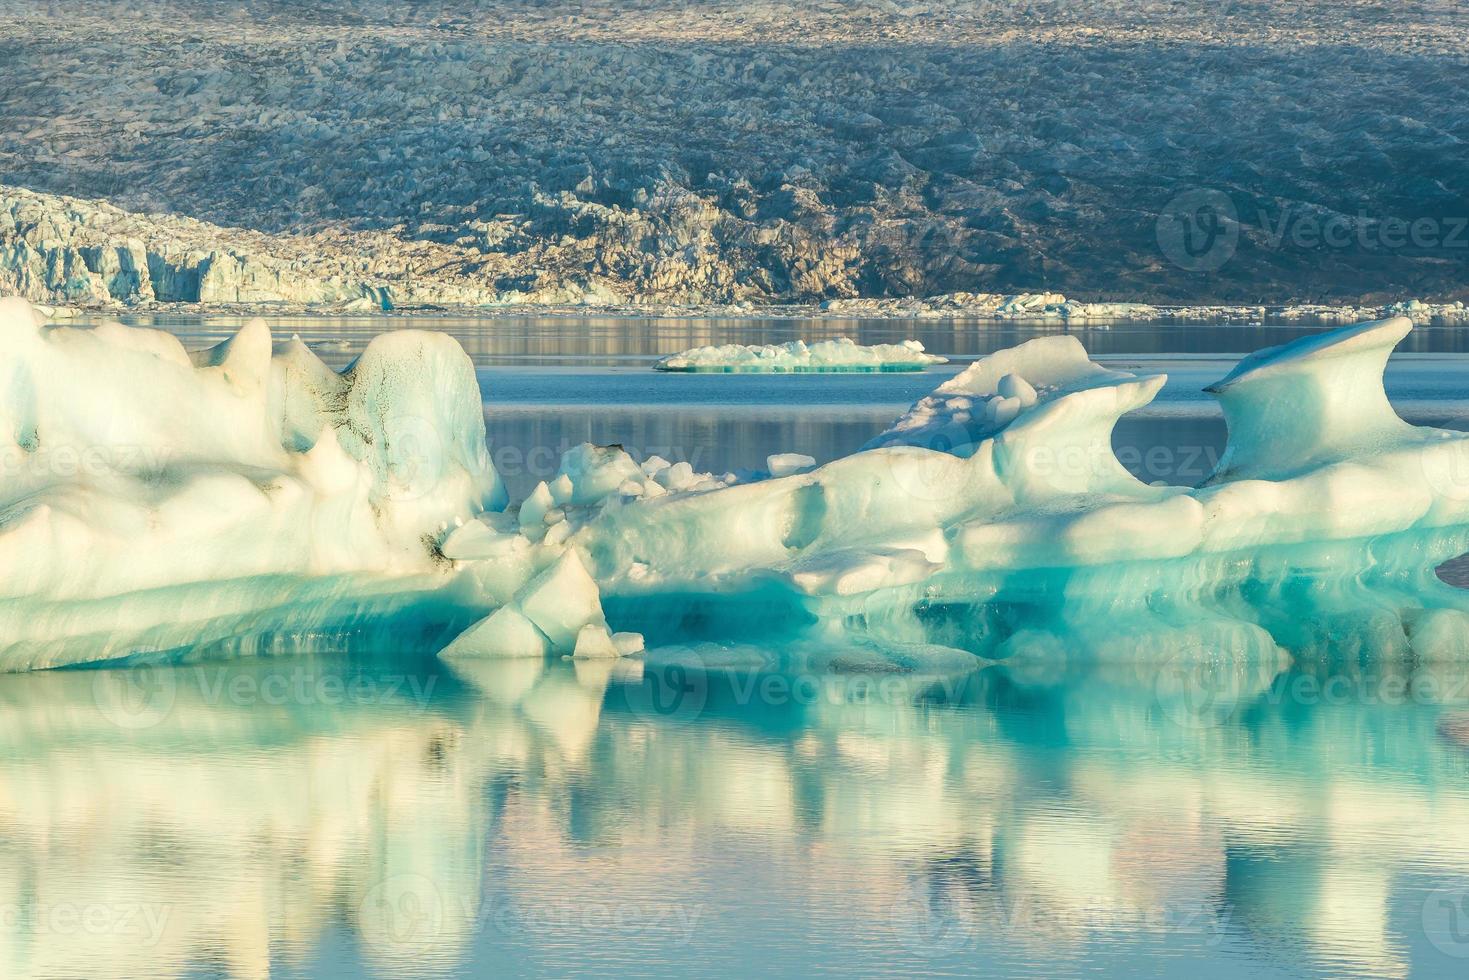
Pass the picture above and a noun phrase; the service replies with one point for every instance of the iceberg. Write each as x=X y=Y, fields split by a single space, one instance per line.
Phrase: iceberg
x=154 y=499
x=246 y=499
x=841 y=354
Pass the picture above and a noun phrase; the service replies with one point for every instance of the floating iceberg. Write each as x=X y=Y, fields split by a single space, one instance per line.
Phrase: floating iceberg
x=245 y=499
x=153 y=499
x=841 y=354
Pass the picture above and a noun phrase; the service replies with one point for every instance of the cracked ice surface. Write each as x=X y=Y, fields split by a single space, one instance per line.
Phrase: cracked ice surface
x=247 y=498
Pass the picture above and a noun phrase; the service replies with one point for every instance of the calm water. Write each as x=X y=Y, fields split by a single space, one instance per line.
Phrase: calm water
x=552 y=383
x=391 y=817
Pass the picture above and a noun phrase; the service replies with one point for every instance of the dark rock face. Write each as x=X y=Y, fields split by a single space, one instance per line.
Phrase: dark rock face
x=694 y=152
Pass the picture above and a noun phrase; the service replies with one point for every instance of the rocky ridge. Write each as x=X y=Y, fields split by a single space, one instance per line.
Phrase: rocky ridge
x=662 y=152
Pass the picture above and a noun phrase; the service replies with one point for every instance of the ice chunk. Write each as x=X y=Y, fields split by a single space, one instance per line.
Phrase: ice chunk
x=305 y=394
x=534 y=508
x=506 y=632
x=628 y=644
x=798 y=356
x=563 y=599
x=594 y=642
x=1313 y=400
x=470 y=541
x=559 y=611
x=594 y=472
x=410 y=416
x=1011 y=381
x=1014 y=386
x=785 y=464
x=560 y=489
x=679 y=476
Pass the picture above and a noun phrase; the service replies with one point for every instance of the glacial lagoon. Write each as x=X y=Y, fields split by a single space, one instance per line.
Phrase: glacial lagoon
x=386 y=814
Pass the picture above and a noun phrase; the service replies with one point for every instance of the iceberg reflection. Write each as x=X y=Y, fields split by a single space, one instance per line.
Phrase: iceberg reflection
x=263 y=818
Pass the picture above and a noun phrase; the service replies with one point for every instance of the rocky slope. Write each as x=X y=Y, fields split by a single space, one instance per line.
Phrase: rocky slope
x=668 y=151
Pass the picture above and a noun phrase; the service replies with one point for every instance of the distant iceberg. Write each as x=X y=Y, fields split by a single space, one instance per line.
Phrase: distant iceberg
x=798 y=356
x=247 y=499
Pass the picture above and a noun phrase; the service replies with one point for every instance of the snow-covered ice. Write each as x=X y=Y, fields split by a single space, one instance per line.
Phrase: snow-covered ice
x=797 y=356
x=247 y=498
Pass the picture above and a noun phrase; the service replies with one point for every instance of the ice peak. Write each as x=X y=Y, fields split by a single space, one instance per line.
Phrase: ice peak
x=1309 y=401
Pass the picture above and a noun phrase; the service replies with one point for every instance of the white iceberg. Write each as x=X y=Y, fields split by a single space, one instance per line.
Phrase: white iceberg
x=841 y=354
x=152 y=498
x=240 y=500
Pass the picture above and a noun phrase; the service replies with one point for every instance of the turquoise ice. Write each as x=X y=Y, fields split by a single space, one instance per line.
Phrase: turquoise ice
x=247 y=499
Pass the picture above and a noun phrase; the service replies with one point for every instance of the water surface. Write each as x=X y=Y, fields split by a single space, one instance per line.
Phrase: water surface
x=550 y=383
x=388 y=816
x=315 y=818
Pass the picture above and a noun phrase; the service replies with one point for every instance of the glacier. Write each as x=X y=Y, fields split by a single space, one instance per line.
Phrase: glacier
x=161 y=504
x=797 y=356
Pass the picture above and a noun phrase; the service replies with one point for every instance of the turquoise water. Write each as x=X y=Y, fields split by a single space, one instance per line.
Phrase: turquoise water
x=711 y=811
x=392 y=818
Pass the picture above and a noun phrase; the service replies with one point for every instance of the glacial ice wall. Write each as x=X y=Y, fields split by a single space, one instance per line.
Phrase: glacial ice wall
x=246 y=498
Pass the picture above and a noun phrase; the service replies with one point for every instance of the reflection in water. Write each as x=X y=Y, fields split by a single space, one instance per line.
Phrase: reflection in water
x=311 y=817
x=609 y=340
